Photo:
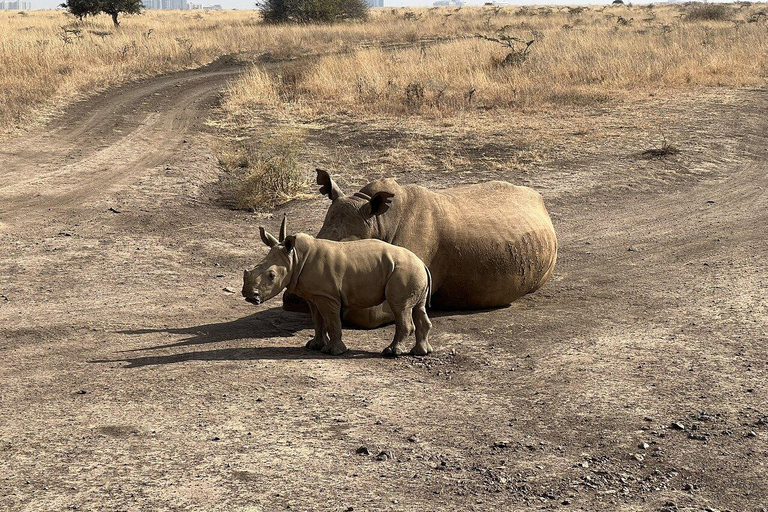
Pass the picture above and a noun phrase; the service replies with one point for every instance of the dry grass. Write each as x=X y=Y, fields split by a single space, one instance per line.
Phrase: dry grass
x=264 y=175
x=47 y=58
x=579 y=56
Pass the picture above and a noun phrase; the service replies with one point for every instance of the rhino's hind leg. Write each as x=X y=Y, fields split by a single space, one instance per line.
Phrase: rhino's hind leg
x=403 y=328
x=423 y=326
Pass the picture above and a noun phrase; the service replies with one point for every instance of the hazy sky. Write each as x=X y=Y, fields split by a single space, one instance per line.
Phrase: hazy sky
x=249 y=4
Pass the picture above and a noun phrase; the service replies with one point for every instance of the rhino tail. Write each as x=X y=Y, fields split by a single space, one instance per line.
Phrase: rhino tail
x=429 y=287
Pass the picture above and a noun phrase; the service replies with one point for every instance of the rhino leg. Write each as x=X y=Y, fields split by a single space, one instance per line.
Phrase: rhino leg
x=423 y=326
x=320 y=339
x=331 y=313
x=369 y=318
x=403 y=328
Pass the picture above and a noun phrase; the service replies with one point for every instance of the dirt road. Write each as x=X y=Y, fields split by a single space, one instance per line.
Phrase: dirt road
x=634 y=380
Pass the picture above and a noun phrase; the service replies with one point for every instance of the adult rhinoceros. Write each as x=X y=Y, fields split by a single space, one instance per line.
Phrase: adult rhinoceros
x=486 y=245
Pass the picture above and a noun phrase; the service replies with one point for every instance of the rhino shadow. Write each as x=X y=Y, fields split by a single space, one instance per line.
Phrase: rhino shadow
x=239 y=354
x=268 y=323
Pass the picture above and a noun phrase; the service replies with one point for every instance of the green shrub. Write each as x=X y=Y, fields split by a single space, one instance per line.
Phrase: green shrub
x=308 y=11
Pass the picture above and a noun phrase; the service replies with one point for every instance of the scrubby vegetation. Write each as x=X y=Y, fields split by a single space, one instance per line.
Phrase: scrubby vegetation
x=709 y=12
x=265 y=174
x=399 y=61
x=522 y=57
x=49 y=58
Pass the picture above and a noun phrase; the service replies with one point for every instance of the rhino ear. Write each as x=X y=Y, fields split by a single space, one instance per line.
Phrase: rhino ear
x=378 y=204
x=268 y=239
x=329 y=187
x=283 y=228
x=289 y=243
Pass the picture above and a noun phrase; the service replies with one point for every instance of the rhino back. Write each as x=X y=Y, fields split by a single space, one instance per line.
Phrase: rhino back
x=356 y=271
x=485 y=244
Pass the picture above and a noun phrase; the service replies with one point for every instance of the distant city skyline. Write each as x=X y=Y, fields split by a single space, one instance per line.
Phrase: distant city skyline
x=250 y=4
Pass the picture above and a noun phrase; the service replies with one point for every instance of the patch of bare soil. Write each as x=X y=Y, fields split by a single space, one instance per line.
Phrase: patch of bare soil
x=132 y=379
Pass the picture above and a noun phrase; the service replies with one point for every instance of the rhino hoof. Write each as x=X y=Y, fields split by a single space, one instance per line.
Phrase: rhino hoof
x=334 y=350
x=419 y=350
x=392 y=352
x=315 y=344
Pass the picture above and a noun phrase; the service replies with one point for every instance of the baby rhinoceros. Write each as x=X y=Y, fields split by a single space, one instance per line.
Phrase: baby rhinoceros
x=359 y=274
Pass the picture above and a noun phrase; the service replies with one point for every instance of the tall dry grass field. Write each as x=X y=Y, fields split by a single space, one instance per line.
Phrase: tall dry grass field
x=48 y=57
x=391 y=63
x=575 y=56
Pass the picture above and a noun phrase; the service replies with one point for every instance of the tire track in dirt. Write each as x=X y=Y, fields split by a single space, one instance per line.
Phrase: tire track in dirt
x=98 y=145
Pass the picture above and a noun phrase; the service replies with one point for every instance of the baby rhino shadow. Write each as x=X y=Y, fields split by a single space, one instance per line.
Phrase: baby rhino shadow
x=270 y=323
x=267 y=323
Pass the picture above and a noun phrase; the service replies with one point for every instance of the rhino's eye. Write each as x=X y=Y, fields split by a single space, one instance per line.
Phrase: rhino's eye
x=271 y=275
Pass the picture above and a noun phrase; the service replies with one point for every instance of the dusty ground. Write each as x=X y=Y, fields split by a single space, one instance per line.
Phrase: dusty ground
x=132 y=381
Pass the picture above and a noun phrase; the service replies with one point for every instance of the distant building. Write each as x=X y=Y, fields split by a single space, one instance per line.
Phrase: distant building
x=375 y=3
x=182 y=5
x=448 y=3
x=166 y=4
x=15 y=5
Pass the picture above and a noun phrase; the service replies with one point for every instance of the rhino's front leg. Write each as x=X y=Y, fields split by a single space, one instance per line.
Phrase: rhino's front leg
x=331 y=313
x=320 y=339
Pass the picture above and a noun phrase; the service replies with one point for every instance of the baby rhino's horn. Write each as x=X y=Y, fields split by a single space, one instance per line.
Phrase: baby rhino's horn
x=283 y=228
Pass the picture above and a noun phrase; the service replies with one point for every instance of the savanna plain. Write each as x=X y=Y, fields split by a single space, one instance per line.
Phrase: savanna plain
x=138 y=162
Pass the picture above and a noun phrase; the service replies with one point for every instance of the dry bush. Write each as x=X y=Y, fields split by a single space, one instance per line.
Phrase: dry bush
x=663 y=151
x=709 y=12
x=264 y=176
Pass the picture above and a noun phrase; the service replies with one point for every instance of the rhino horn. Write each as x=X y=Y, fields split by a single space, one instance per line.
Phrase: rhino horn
x=378 y=204
x=268 y=239
x=329 y=187
x=283 y=228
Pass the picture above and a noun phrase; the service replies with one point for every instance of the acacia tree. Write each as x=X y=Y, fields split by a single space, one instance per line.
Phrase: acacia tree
x=115 y=7
x=308 y=11
x=83 y=8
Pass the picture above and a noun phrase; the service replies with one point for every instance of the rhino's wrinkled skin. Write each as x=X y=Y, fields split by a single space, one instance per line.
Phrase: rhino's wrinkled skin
x=358 y=274
x=486 y=244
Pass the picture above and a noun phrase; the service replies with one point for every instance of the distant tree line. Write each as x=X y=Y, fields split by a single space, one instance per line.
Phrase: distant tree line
x=312 y=11
x=274 y=11
x=83 y=8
